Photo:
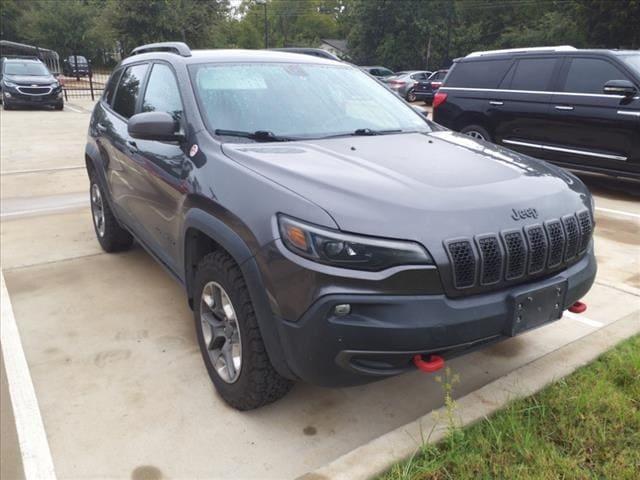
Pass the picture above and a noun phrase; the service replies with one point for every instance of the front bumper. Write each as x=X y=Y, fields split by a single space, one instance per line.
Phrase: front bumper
x=383 y=332
x=14 y=97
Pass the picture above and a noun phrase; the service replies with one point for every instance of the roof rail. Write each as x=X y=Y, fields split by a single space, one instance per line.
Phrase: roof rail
x=180 y=48
x=558 y=48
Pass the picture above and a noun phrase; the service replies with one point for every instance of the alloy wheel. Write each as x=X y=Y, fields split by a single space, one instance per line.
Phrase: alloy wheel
x=475 y=134
x=220 y=332
x=97 y=208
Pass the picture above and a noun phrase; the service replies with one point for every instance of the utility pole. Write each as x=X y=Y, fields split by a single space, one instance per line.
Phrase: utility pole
x=266 y=24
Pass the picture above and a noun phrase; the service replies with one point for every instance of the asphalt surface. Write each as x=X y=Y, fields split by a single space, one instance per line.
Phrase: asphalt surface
x=111 y=348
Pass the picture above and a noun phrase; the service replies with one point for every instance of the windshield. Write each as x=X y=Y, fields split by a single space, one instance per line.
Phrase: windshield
x=25 y=68
x=632 y=61
x=80 y=60
x=298 y=100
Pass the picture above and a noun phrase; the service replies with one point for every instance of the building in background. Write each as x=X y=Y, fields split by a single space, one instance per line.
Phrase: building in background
x=335 y=46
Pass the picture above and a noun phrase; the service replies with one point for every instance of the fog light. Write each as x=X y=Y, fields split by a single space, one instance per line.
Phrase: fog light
x=342 y=309
x=7 y=94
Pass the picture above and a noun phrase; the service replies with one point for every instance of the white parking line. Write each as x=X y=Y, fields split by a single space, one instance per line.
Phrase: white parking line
x=32 y=438
x=73 y=109
x=582 y=319
x=618 y=212
x=41 y=170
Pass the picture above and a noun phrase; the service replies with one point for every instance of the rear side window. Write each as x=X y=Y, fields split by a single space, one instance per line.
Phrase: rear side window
x=483 y=74
x=128 y=90
x=588 y=75
x=111 y=86
x=533 y=74
x=162 y=94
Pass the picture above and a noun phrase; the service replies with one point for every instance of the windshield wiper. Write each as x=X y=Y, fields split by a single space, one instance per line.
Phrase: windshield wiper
x=368 y=132
x=258 y=135
x=362 y=132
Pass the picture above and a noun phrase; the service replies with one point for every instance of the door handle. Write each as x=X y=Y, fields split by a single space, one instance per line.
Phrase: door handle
x=101 y=127
x=495 y=102
x=133 y=146
x=563 y=107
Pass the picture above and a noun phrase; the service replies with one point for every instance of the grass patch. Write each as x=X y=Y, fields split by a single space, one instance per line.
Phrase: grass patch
x=585 y=426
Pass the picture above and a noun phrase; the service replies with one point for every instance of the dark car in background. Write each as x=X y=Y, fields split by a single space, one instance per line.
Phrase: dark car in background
x=377 y=71
x=337 y=243
x=26 y=81
x=75 y=66
x=577 y=108
x=403 y=83
x=426 y=89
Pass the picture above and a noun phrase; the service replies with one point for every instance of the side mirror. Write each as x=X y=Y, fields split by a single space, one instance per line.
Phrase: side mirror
x=158 y=126
x=620 y=87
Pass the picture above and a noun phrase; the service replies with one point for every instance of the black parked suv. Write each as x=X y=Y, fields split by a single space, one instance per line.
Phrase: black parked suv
x=75 y=66
x=577 y=108
x=26 y=81
x=336 y=243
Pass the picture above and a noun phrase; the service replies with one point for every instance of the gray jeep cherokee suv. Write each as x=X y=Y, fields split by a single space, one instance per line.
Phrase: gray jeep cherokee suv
x=322 y=229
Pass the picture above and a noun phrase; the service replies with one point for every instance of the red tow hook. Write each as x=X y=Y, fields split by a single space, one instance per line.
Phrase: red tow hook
x=435 y=363
x=578 y=307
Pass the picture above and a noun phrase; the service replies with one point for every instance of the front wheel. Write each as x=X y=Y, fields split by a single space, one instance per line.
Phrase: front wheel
x=229 y=336
x=411 y=96
x=477 y=132
x=111 y=236
x=59 y=106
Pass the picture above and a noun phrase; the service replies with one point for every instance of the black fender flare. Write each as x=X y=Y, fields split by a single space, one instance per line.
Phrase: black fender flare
x=235 y=246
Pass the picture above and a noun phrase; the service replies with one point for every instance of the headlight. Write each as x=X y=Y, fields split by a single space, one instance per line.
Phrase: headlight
x=9 y=84
x=55 y=84
x=348 y=251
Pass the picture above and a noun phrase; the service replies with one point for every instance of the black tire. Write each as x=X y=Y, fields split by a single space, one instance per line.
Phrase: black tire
x=257 y=383
x=478 y=132
x=112 y=238
x=6 y=106
x=411 y=96
x=59 y=106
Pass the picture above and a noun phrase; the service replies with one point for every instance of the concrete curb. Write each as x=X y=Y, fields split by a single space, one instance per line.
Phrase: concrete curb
x=377 y=456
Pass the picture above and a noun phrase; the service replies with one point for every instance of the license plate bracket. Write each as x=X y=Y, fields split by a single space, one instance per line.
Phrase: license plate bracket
x=535 y=307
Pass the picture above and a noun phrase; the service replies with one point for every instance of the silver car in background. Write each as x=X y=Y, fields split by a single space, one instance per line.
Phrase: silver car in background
x=403 y=83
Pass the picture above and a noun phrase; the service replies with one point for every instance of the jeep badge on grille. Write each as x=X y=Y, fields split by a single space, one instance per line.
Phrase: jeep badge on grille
x=524 y=213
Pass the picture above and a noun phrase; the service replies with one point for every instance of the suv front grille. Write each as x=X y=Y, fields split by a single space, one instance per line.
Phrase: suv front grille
x=464 y=262
x=490 y=259
x=35 y=90
x=573 y=236
x=518 y=254
x=555 y=233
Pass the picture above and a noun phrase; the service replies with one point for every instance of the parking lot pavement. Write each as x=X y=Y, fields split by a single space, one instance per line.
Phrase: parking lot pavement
x=111 y=348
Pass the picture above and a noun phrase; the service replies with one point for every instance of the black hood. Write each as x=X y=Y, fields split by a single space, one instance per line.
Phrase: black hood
x=30 y=79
